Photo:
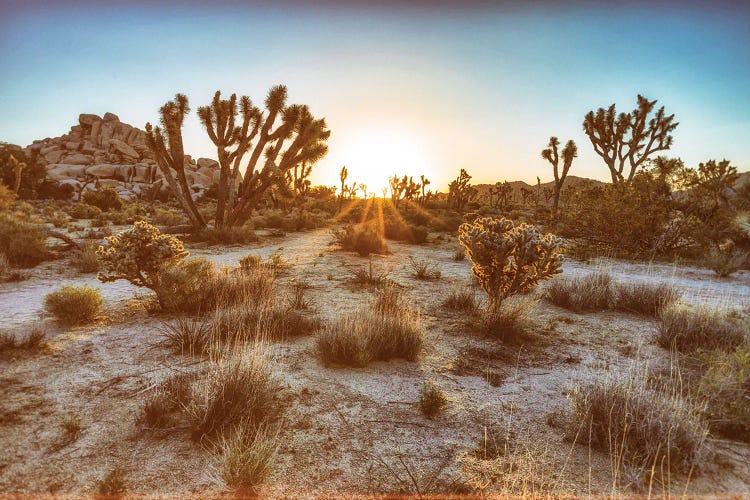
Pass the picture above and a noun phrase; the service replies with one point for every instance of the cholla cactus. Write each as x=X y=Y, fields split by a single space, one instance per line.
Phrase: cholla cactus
x=507 y=259
x=138 y=255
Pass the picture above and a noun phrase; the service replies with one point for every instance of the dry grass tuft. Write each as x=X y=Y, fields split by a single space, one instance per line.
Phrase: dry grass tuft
x=188 y=337
x=510 y=321
x=461 y=300
x=245 y=458
x=86 y=261
x=688 y=329
x=366 y=275
x=32 y=340
x=112 y=485
x=423 y=270
x=725 y=262
x=170 y=396
x=432 y=399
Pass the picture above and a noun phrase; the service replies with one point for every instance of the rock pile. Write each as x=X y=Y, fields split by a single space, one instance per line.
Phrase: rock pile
x=103 y=152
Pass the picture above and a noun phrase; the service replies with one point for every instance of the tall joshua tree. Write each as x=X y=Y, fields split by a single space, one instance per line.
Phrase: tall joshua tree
x=343 y=175
x=628 y=139
x=551 y=154
x=166 y=144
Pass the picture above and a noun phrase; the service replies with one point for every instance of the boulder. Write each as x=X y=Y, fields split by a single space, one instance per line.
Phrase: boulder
x=122 y=148
x=88 y=119
x=207 y=163
x=54 y=156
x=102 y=171
x=110 y=117
x=111 y=183
x=72 y=145
x=61 y=171
x=78 y=159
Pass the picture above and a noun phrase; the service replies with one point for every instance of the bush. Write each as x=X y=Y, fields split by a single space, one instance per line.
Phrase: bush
x=507 y=259
x=170 y=217
x=509 y=321
x=361 y=337
x=33 y=339
x=74 y=305
x=112 y=484
x=644 y=298
x=363 y=239
x=187 y=337
x=83 y=211
x=23 y=244
x=239 y=390
x=7 y=197
x=183 y=286
x=643 y=427
x=246 y=457
x=399 y=231
x=432 y=400
x=689 y=329
x=230 y=235
x=139 y=255
x=725 y=386
x=725 y=261
x=461 y=300
x=105 y=199
x=87 y=261
x=261 y=322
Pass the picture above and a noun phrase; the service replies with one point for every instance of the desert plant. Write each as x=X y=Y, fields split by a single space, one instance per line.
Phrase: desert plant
x=459 y=254
x=183 y=285
x=688 y=329
x=569 y=152
x=188 y=337
x=239 y=389
x=105 y=199
x=725 y=261
x=112 y=485
x=167 y=217
x=424 y=270
x=33 y=339
x=87 y=261
x=23 y=244
x=4 y=266
x=366 y=275
x=390 y=300
x=461 y=300
x=235 y=235
x=509 y=321
x=643 y=428
x=74 y=305
x=644 y=298
x=363 y=336
x=170 y=396
x=432 y=399
x=363 y=239
x=7 y=197
x=507 y=259
x=83 y=211
x=139 y=255
x=246 y=457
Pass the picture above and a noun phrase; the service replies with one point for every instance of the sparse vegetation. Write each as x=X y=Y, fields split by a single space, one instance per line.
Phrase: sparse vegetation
x=105 y=199
x=363 y=239
x=461 y=300
x=366 y=275
x=113 y=484
x=246 y=457
x=23 y=244
x=33 y=339
x=87 y=260
x=725 y=261
x=510 y=321
x=74 y=305
x=687 y=329
x=423 y=270
x=432 y=399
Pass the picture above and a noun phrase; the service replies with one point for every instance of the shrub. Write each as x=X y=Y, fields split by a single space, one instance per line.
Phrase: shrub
x=509 y=321
x=139 y=255
x=363 y=239
x=644 y=298
x=7 y=197
x=390 y=300
x=461 y=300
x=188 y=337
x=170 y=396
x=261 y=322
x=642 y=427
x=83 y=211
x=400 y=231
x=169 y=217
x=725 y=386
x=33 y=339
x=183 y=285
x=432 y=399
x=725 y=261
x=59 y=220
x=229 y=235
x=74 y=305
x=459 y=254
x=87 y=261
x=363 y=336
x=238 y=390
x=423 y=270
x=105 y=199
x=246 y=457
x=508 y=259
x=688 y=329
x=23 y=244
x=112 y=484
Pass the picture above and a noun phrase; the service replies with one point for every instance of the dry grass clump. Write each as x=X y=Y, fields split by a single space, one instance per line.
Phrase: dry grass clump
x=366 y=275
x=358 y=338
x=86 y=261
x=725 y=386
x=362 y=238
x=510 y=321
x=245 y=458
x=240 y=389
x=642 y=428
x=23 y=244
x=228 y=235
x=423 y=270
x=598 y=292
x=252 y=321
x=33 y=339
x=188 y=337
x=112 y=485
x=170 y=396
x=74 y=305
x=432 y=399
x=725 y=261
x=688 y=329
x=461 y=300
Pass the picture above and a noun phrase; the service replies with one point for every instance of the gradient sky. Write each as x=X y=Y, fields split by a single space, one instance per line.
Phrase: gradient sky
x=430 y=87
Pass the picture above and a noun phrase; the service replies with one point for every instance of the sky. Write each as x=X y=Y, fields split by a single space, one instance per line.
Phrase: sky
x=410 y=87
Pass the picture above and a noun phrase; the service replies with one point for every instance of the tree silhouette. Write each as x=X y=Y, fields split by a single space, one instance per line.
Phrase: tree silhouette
x=460 y=191
x=628 y=139
x=343 y=176
x=166 y=144
x=551 y=154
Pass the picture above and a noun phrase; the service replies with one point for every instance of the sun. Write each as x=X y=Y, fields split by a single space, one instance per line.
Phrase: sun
x=376 y=154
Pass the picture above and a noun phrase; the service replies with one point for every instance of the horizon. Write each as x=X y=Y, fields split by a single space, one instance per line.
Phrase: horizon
x=416 y=90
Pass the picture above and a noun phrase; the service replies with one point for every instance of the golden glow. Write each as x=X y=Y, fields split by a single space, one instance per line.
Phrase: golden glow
x=374 y=155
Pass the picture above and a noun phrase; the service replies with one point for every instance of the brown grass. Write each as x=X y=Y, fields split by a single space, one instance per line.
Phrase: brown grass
x=688 y=329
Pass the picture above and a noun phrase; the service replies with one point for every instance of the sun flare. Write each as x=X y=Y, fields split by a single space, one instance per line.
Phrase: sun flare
x=373 y=156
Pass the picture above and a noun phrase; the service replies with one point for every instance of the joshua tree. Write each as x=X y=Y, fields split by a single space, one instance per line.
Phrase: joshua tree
x=460 y=191
x=551 y=154
x=170 y=154
x=343 y=176
x=628 y=138
x=424 y=181
x=503 y=191
x=18 y=167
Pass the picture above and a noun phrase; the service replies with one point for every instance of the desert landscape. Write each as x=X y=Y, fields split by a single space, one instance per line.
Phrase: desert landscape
x=234 y=316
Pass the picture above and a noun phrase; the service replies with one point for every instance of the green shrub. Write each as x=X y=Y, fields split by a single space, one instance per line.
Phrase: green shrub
x=139 y=255
x=83 y=211
x=87 y=261
x=169 y=217
x=23 y=244
x=230 y=235
x=689 y=329
x=507 y=259
x=105 y=199
x=74 y=305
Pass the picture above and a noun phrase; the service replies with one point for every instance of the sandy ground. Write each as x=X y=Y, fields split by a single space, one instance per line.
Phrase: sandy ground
x=345 y=431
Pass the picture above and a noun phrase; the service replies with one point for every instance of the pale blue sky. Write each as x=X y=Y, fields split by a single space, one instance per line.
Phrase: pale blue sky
x=428 y=89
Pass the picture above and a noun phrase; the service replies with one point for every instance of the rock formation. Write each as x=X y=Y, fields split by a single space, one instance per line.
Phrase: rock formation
x=104 y=152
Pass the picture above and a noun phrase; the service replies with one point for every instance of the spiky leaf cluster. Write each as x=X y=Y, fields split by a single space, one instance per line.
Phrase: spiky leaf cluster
x=138 y=255
x=508 y=259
